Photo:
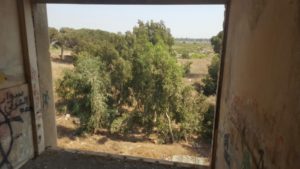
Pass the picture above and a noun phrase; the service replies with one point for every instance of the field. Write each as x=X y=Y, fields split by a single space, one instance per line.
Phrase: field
x=196 y=50
x=134 y=144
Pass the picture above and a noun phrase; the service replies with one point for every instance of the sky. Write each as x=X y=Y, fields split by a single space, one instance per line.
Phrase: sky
x=185 y=21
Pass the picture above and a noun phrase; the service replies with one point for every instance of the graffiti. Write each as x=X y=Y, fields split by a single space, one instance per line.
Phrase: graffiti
x=46 y=99
x=226 y=150
x=11 y=108
x=35 y=90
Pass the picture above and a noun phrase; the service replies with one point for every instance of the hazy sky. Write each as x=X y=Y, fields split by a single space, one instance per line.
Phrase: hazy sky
x=192 y=21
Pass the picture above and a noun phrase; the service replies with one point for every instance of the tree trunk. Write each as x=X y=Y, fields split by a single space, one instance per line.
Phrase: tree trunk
x=170 y=127
x=155 y=117
x=61 y=52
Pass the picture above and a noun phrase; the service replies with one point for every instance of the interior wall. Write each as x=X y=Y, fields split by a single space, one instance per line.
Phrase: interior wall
x=11 y=65
x=16 y=141
x=259 y=126
x=26 y=96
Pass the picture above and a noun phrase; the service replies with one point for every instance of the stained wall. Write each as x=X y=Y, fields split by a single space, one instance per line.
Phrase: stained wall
x=26 y=96
x=16 y=139
x=259 y=126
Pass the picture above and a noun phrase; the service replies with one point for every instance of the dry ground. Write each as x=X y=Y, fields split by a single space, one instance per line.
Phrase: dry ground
x=133 y=145
x=198 y=69
x=59 y=159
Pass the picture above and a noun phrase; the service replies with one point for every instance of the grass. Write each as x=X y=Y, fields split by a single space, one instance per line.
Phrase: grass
x=199 y=54
x=195 y=50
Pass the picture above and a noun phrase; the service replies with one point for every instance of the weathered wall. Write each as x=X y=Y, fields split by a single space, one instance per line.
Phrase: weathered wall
x=16 y=145
x=45 y=73
x=16 y=141
x=26 y=96
x=259 y=126
x=11 y=65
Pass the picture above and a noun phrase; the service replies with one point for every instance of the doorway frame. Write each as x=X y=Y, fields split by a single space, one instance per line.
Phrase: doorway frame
x=39 y=12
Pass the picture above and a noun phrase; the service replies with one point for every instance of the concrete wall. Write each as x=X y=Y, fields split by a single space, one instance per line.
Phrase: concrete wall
x=45 y=74
x=16 y=139
x=26 y=96
x=11 y=65
x=259 y=126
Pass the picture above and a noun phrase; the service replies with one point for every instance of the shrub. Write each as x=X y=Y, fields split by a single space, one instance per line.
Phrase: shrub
x=207 y=122
x=198 y=56
x=211 y=79
x=84 y=91
x=187 y=68
x=185 y=55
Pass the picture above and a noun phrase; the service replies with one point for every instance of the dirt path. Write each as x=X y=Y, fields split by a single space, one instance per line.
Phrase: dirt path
x=132 y=145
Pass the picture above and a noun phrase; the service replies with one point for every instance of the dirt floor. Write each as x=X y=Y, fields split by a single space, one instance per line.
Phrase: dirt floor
x=58 y=159
x=135 y=145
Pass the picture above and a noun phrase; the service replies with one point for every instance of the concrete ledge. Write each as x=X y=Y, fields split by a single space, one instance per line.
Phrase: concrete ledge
x=134 y=158
x=74 y=159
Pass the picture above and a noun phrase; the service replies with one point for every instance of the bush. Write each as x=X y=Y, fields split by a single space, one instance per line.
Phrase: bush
x=119 y=125
x=185 y=55
x=84 y=91
x=211 y=79
x=216 y=42
x=207 y=123
x=187 y=68
x=198 y=56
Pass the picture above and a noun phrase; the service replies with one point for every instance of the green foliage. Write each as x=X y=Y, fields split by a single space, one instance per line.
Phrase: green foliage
x=127 y=82
x=198 y=56
x=192 y=50
x=53 y=35
x=211 y=79
x=191 y=106
x=216 y=42
x=84 y=90
x=185 y=55
x=187 y=68
x=207 y=122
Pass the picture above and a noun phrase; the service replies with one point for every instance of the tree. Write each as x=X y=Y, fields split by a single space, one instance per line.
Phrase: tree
x=207 y=122
x=211 y=79
x=53 y=35
x=64 y=38
x=216 y=42
x=84 y=89
x=156 y=81
x=125 y=81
